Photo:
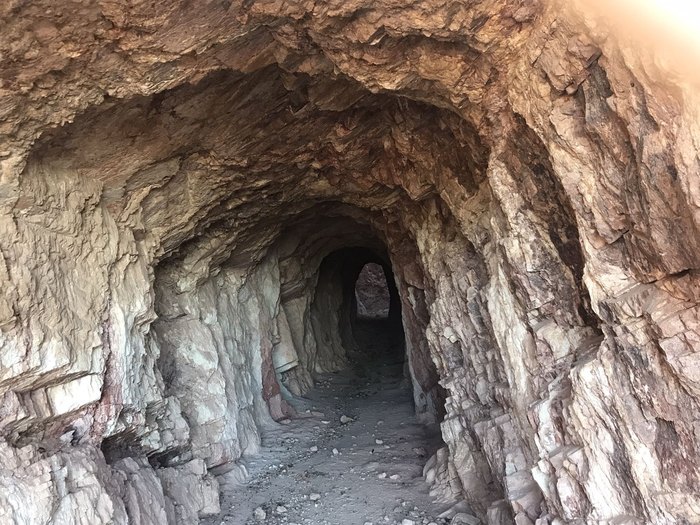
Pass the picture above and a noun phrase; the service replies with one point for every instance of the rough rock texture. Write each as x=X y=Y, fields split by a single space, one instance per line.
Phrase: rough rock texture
x=372 y=292
x=174 y=174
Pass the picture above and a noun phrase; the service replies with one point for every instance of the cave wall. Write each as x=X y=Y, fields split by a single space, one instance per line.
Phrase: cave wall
x=532 y=175
x=372 y=292
x=215 y=349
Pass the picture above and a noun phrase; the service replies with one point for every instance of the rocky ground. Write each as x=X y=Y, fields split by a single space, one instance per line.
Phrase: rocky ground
x=323 y=468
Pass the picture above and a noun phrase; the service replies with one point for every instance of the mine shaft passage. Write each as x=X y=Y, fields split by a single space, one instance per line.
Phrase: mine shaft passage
x=369 y=324
x=252 y=252
x=376 y=318
x=352 y=449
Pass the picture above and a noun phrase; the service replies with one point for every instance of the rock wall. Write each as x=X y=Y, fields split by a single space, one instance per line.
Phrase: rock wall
x=372 y=292
x=172 y=177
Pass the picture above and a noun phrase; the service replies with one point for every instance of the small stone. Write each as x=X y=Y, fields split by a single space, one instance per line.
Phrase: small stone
x=315 y=496
x=281 y=509
x=314 y=449
x=259 y=513
x=462 y=518
x=382 y=475
x=394 y=476
x=406 y=521
x=379 y=441
x=420 y=452
x=335 y=452
x=345 y=419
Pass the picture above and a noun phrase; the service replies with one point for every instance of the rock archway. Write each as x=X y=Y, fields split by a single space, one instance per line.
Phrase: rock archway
x=173 y=175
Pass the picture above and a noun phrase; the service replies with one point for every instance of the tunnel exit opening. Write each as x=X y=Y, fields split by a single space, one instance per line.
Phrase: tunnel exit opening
x=334 y=322
x=376 y=320
x=372 y=293
x=369 y=321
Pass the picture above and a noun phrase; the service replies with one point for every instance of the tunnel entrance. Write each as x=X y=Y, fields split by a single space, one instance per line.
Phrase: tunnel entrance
x=376 y=319
x=369 y=322
x=354 y=445
x=196 y=198
x=322 y=329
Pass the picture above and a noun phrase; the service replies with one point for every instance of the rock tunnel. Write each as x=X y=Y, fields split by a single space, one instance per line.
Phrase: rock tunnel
x=190 y=192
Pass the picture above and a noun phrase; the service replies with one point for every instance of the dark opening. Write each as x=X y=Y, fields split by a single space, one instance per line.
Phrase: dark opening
x=370 y=316
x=376 y=321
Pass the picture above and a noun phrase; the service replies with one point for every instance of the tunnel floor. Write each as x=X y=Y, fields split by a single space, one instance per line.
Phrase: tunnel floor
x=366 y=471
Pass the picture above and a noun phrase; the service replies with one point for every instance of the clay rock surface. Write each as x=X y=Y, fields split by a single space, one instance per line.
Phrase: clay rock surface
x=178 y=184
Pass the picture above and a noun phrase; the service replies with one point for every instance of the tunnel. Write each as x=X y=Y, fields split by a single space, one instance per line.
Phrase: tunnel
x=370 y=313
x=372 y=296
x=348 y=262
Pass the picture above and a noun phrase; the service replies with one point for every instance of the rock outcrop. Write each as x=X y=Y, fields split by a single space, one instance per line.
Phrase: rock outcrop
x=372 y=293
x=177 y=180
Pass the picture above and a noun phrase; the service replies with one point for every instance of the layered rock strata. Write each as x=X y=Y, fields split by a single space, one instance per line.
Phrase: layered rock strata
x=173 y=176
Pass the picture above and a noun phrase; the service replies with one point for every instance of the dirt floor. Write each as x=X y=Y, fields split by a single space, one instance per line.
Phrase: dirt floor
x=319 y=470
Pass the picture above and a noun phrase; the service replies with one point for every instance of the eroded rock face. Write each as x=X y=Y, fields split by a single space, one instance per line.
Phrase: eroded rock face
x=174 y=175
x=372 y=292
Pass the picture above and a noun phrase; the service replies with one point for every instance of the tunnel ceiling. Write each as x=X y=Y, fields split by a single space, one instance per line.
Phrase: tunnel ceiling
x=247 y=152
x=318 y=81
x=173 y=174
